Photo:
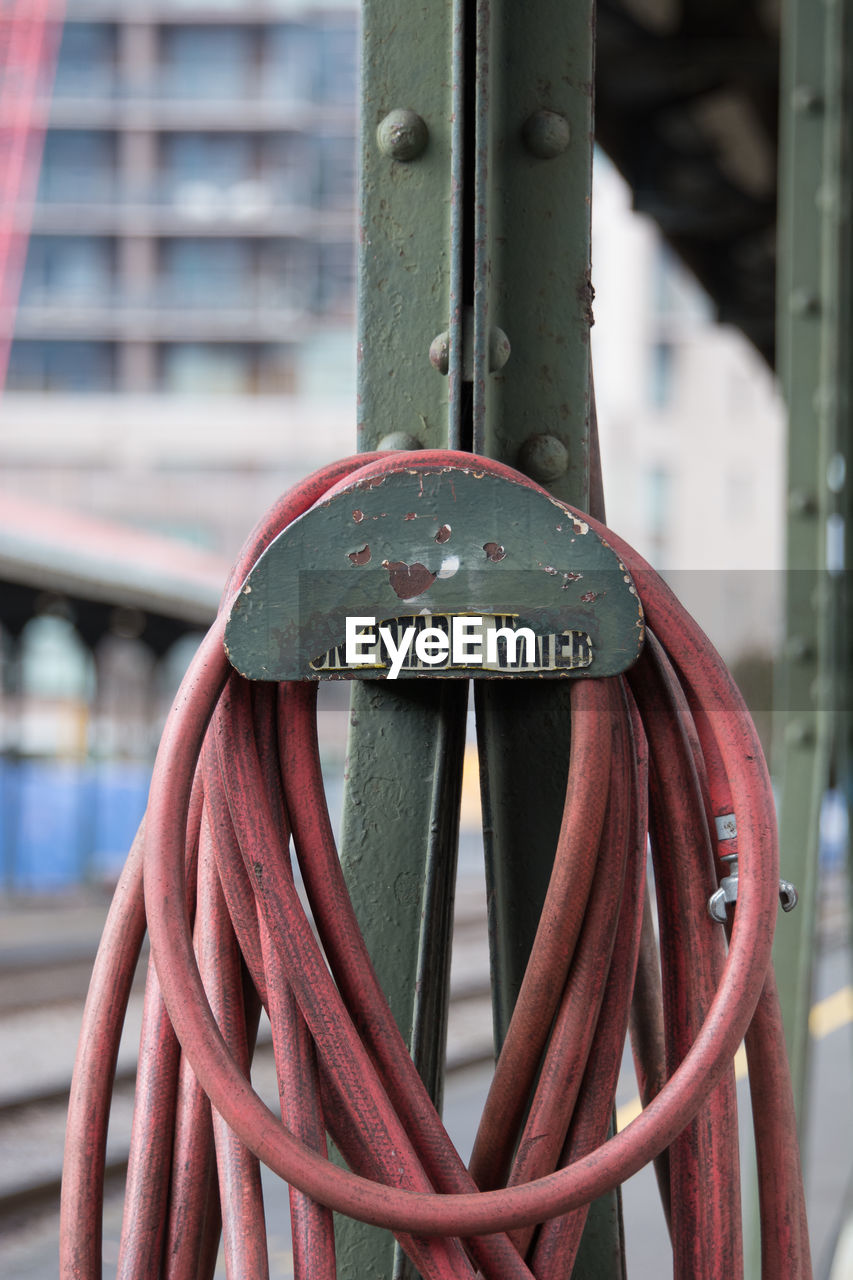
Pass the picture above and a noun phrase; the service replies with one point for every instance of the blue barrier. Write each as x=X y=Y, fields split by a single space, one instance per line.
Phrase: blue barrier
x=66 y=824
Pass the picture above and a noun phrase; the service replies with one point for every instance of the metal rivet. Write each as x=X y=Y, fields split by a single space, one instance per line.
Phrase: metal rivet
x=805 y=99
x=804 y=302
x=801 y=503
x=402 y=135
x=546 y=134
x=499 y=351
x=399 y=440
x=543 y=458
x=799 y=734
x=439 y=352
x=799 y=649
x=825 y=398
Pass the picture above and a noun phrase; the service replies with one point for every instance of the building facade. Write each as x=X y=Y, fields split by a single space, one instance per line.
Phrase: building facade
x=190 y=272
x=194 y=219
x=692 y=432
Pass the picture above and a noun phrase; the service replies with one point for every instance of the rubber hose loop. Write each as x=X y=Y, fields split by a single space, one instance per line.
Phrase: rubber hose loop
x=617 y=1159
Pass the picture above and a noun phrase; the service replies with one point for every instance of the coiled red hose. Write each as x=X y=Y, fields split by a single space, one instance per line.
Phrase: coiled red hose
x=664 y=750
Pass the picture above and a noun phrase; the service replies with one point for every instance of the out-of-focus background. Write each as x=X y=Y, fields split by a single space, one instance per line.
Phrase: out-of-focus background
x=182 y=349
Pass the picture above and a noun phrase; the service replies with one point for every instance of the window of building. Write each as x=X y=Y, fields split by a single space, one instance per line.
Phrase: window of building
x=202 y=272
x=290 y=62
x=87 y=61
x=212 y=176
x=62 y=269
x=661 y=374
x=61 y=366
x=209 y=62
x=289 y=165
x=658 y=496
x=327 y=365
x=276 y=371
x=337 y=172
x=217 y=158
x=336 y=279
x=337 y=81
x=197 y=368
x=78 y=167
x=287 y=272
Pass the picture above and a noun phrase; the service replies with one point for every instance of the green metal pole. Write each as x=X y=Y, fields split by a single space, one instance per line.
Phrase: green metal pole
x=534 y=181
x=401 y=804
x=474 y=314
x=803 y=731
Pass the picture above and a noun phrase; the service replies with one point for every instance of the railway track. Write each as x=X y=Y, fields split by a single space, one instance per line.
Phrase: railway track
x=43 y=984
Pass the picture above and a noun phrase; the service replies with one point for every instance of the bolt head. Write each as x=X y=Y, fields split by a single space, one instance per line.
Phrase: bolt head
x=804 y=302
x=544 y=458
x=499 y=349
x=799 y=734
x=400 y=440
x=806 y=100
x=801 y=503
x=546 y=134
x=402 y=135
x=439 y=352
x=799 y=649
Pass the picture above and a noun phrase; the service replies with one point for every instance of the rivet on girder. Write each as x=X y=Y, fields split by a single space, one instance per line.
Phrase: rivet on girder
x=402 y=135
x=804 y=302
x=499 y=348
x=799 y=734
x=799 y=649
x=806 y=100
x=399 y=440
x=546 y=134
x=543 y=458
x=801 y=503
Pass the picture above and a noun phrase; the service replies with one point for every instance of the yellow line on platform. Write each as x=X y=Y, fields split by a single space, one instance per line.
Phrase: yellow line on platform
x=828 y=1015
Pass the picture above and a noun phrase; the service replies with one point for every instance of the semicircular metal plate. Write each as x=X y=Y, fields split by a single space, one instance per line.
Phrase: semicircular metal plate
x=443 y=571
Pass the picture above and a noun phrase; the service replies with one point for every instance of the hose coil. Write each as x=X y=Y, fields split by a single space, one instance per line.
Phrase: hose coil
x=661 y=752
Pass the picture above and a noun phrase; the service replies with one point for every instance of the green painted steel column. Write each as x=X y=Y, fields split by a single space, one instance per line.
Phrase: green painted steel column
x=401 y=805
x=534 y=179
x=805 y=307
x=534 y=184
x=474 y=264
x=533 y=293
x=841 y=465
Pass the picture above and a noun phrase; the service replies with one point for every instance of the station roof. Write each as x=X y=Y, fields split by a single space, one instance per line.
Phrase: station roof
x=687 y=108
x=111 y=578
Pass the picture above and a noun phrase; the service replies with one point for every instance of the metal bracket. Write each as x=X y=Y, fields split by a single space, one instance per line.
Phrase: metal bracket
x=727 y=892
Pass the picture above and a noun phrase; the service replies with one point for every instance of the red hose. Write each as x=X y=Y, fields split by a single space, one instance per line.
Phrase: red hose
x=343 y=1067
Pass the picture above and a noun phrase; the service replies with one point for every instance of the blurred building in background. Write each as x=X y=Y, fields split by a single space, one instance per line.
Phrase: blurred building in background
x=183 y=350
x=190 y=272
x=692 y=432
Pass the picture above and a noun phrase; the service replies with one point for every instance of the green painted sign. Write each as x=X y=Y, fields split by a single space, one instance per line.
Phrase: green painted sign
x=442 y=571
